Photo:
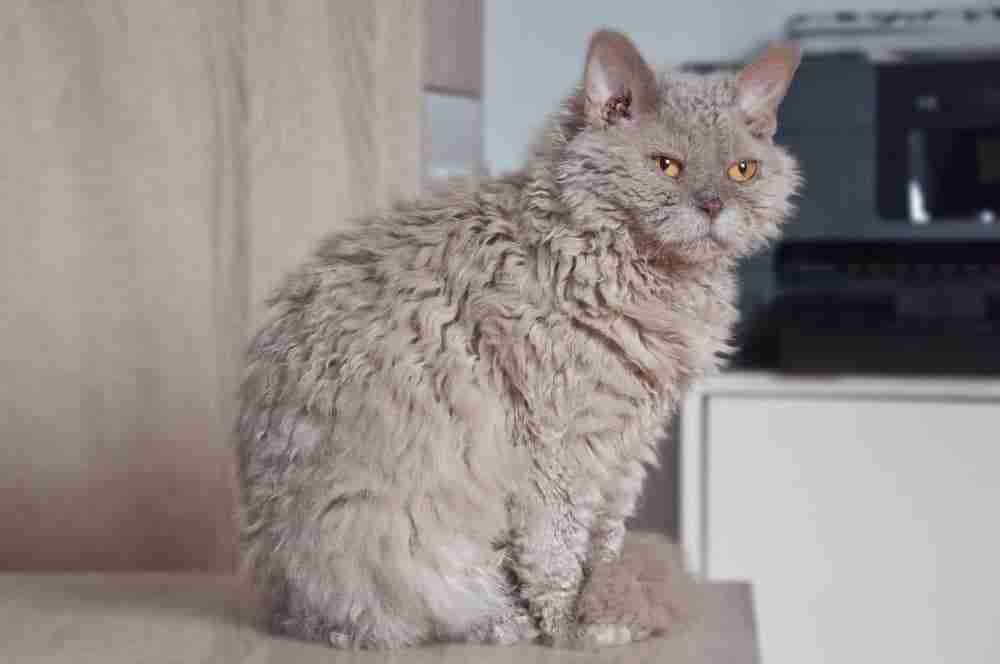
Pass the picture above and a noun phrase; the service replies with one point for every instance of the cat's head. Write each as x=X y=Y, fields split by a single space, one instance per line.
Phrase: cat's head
x=687 y=160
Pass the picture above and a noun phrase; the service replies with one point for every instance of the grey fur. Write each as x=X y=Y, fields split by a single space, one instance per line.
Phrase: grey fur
x=645 y=592
x=448 y=414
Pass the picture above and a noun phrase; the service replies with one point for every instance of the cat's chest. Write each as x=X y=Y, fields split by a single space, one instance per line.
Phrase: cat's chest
x=602 y=344
x=614 y=372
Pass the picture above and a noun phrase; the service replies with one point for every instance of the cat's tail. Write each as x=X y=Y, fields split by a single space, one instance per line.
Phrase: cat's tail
x=646 y=592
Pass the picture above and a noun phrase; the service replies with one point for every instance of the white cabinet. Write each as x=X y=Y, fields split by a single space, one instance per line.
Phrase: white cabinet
x=865 y=512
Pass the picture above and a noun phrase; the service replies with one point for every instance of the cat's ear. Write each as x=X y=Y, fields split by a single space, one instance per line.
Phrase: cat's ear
x=762 y=85
x=617 y=82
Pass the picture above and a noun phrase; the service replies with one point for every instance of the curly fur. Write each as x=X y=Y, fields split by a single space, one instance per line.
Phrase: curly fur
x=645 y=592
x=446 y=419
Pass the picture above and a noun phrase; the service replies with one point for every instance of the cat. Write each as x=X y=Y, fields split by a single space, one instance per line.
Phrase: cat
x=447 y=417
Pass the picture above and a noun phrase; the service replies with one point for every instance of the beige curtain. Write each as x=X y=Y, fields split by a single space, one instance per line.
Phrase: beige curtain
x=162 y=164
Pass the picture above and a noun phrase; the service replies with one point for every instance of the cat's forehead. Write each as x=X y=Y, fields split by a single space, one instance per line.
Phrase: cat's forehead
x=705 y=101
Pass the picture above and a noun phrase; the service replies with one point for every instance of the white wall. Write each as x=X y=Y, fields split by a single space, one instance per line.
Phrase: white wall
x=534 y=49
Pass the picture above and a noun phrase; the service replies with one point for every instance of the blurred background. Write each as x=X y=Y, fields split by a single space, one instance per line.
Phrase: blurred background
x=166 y=161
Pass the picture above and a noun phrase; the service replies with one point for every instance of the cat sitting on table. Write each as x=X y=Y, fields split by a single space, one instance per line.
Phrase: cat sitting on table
x=446 y=419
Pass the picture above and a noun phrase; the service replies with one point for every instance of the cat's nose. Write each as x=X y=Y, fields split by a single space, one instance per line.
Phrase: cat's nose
x=711 y=205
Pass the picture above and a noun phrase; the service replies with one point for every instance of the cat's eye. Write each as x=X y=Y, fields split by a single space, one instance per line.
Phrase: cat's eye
x=669 y=166
x=744 y=170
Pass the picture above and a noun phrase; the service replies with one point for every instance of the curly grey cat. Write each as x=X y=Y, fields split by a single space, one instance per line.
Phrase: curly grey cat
x=446 y=419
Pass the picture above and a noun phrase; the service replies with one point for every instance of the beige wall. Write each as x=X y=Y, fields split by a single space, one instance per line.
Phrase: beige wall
x=163 y=163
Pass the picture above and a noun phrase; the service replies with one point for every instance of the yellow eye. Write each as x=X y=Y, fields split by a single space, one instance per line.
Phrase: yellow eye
x=743 y=170
x=671 y=167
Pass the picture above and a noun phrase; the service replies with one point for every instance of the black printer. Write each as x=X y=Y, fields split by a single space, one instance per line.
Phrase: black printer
x=892 y=263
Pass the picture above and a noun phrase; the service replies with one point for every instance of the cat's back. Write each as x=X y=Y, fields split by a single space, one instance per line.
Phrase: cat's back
x=385 y=288
x=376 y=335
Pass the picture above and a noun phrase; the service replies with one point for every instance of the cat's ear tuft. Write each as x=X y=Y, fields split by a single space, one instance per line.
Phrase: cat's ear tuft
x=762 y=85
x=617 y=82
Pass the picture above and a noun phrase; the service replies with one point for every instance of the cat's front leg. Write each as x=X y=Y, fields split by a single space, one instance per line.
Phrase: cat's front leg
x=597 y=629
x=549 y=547
x=607 y=537
x=620 y=496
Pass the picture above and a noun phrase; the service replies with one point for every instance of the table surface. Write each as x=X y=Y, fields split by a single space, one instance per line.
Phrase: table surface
x=111 y=618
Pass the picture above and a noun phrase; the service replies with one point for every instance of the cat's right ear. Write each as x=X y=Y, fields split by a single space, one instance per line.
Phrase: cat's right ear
x=617 y=82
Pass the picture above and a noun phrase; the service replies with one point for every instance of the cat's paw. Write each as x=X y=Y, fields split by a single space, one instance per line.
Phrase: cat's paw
x=589 y=637
x=558 y=627
x=340 y=641
x=510 y=629
x=601 y=636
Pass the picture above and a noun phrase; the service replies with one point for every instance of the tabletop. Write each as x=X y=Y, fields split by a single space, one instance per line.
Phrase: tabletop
x=111 y=618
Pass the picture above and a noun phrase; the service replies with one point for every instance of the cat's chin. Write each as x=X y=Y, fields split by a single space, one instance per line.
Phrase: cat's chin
x=703 y=250
x=719 y=242
x=712 y=242
x=699 y=240
x=710 y=246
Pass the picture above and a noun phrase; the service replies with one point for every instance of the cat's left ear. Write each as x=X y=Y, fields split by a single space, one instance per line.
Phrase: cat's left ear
x=617 y=82
x=762 y=85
